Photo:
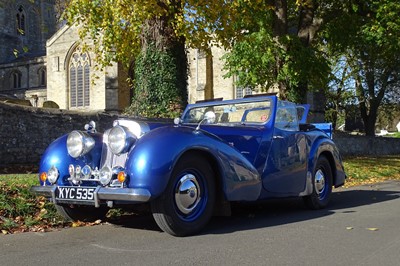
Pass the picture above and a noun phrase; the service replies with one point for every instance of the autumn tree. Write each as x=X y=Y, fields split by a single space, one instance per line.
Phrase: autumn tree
x=272 y=42
x=141 y=34
x=150 y=37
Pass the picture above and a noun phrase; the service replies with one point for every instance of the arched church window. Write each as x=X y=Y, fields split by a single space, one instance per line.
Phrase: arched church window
x=79 y=79
x=15 y=81
x=42 y=76
x=21 y=18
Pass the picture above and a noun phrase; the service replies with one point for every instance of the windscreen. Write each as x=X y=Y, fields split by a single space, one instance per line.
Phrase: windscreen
x=231 y=114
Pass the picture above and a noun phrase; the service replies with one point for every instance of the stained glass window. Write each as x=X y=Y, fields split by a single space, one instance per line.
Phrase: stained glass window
x=79 y=79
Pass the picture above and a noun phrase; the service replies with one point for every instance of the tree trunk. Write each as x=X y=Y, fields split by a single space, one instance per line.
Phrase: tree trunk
x=280 y=29
x=158 y=34
x=308 y=26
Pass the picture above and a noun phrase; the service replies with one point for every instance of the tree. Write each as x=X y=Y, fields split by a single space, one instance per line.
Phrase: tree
x=279 y=45
x=150 y=36
x=161 y=67
x=371 y=46
x=141 y=34
x=340 y=92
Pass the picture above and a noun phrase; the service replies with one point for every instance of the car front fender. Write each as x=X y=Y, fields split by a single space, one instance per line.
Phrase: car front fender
x=57 y=155
x=151 y=162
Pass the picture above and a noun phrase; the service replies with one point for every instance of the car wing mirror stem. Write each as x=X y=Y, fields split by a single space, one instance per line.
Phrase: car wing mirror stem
x=209 y=117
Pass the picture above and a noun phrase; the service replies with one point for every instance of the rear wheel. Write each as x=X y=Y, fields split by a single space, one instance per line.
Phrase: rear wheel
x=187 y=204
x=82 y=213
x=322 y=185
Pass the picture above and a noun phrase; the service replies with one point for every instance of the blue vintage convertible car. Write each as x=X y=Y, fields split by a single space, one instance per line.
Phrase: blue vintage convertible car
x=218 y=152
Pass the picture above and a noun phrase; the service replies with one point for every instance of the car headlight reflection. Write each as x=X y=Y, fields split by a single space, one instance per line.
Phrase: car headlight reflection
x=120 y=139
x=79 y=143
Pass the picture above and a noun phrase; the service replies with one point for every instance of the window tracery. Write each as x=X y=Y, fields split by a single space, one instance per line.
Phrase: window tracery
x=79 y=79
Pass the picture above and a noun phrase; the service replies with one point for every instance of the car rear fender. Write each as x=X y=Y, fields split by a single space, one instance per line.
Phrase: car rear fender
x=323 y=146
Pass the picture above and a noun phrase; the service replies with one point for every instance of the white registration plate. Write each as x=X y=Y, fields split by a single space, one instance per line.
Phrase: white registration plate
x=76 y=193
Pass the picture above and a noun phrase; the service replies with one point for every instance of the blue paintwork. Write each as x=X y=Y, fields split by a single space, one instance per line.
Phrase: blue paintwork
x=251 y=161
x=151 y=162
x=56 y=155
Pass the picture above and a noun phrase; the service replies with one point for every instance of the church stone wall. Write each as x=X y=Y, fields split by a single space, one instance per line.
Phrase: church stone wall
x=30 y=89
x=208 y=75
x=25 y=53
x=27 y=131
x=40 y=24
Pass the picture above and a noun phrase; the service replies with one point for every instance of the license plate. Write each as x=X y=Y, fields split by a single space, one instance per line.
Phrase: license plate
x=76 y=193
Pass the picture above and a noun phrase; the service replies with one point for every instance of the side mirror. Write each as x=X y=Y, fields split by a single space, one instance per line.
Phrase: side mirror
x=209 y=117
x=177 y=121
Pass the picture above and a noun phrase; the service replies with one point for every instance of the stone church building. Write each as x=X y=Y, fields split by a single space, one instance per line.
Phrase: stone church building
x=73 y=81
x=40 y=63
x=25 y=27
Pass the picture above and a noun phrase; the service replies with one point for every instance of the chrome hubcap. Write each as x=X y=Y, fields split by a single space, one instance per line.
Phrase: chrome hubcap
x=187 y=193
x=319 y=181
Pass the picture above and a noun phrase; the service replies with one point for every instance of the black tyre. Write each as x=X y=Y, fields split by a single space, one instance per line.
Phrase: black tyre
x=187 y=204
x=82 y=213
x=322 y=185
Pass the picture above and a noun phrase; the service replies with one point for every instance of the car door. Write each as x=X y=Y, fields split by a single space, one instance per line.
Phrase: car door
x=286 y=168
x=246 y=139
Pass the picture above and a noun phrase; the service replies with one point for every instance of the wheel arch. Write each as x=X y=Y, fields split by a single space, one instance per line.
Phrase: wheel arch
x=212 y=160
x=326 y=147
x=328 y=155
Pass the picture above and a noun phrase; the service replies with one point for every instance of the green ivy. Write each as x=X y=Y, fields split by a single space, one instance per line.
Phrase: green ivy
x=160 y=86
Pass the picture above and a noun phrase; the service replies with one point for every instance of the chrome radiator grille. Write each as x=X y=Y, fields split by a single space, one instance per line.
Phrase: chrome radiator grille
x=111 y=160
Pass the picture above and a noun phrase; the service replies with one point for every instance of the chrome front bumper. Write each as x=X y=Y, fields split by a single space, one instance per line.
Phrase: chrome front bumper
x=134 y=195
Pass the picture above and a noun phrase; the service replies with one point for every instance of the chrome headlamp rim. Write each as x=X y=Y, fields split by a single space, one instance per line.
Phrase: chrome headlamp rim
x=79 y=143
x=120 y=139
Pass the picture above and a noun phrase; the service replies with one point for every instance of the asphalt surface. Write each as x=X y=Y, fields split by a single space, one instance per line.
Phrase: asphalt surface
x=360 y=227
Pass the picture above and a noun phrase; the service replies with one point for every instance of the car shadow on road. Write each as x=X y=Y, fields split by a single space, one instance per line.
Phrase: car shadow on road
x=274 y=212
x=277 y=212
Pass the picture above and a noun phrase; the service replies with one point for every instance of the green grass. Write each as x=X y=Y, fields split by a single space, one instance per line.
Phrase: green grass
x=366 y=170
x=396 y=135
x=20 y=210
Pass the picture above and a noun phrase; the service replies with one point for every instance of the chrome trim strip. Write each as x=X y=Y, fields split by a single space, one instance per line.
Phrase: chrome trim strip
x=309 y=185
x=102 y=193
x=128 y=194
x=47 y=191
x=96 y=197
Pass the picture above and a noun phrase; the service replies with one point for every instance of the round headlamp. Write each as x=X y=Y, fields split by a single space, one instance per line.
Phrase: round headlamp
x=120 y=139
x=79 y=143
x=52 y=175
x=105 y=176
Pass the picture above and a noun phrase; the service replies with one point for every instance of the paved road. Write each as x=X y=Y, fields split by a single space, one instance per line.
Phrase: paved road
x=361 y=227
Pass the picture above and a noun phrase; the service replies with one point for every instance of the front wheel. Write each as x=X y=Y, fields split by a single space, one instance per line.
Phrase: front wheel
x=187 y=204
x=322 y=185
x=82 y=213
